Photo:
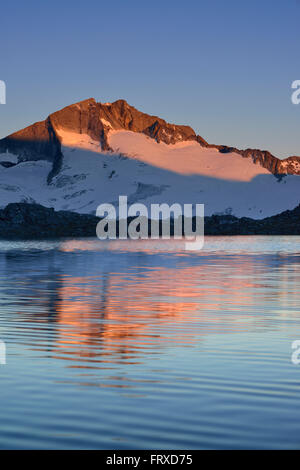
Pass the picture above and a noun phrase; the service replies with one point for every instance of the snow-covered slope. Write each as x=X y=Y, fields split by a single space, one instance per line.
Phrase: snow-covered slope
x=185 y=158
x=91 y=153
x=88 y=178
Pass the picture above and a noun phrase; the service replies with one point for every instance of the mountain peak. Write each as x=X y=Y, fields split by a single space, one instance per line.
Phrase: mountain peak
x=71 y=161
x=96 y=120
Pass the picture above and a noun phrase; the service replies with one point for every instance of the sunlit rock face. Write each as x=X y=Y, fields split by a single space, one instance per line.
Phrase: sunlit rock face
x=95 y=120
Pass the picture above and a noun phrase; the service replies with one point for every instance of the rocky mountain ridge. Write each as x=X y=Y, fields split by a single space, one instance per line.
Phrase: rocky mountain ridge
x=41 y=141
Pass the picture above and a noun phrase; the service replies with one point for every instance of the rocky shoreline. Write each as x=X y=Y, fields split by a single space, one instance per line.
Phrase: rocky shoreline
x=21 y=221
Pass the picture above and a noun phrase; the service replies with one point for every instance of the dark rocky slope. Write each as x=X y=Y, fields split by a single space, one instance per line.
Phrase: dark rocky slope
x=33 y=221
x=25 y=221
x=286 y=223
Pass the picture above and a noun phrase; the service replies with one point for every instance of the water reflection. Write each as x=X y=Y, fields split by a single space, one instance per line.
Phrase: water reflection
x=146 y=346
x=108 y=306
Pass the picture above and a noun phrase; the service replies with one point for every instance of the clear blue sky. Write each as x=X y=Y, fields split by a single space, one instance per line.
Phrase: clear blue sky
x=223 y=67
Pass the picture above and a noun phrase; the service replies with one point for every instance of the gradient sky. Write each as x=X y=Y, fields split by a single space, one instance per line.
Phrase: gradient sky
x=223 y=67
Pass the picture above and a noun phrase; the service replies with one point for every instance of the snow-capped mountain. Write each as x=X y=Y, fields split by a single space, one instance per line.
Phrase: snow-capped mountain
x=89 y=153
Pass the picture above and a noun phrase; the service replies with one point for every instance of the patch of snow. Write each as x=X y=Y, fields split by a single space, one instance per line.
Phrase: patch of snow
x=26 y=181
x=78 y=141
x=106 y=123
x=8 y=157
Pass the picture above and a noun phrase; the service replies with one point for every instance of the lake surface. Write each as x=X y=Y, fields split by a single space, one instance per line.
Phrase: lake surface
x=144 y=345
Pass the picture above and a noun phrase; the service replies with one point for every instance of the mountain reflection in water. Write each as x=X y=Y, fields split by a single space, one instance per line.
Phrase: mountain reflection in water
x=210 y=332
